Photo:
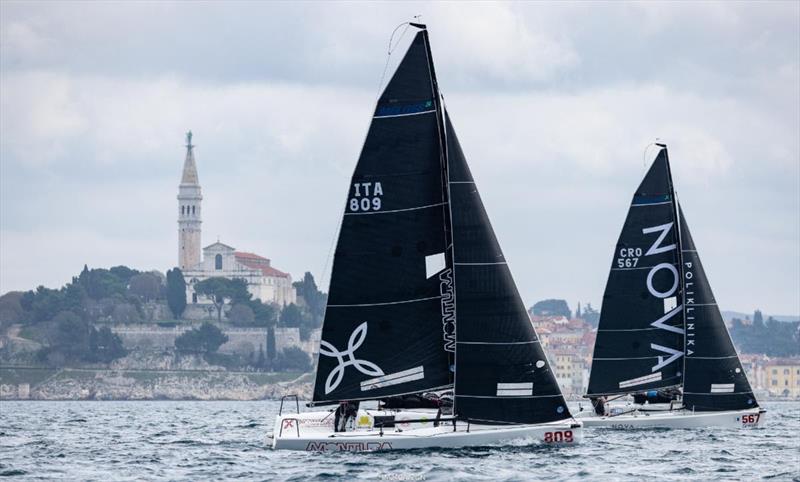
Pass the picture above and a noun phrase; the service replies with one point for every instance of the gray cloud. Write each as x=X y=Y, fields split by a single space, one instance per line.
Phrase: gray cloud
x=554 y=105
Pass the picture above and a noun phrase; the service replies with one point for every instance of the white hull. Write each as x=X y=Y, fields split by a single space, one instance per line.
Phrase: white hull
x=313 y=431
x=639 y=418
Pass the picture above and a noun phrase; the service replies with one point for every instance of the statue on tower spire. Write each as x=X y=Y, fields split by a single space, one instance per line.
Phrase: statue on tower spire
x=189 y=140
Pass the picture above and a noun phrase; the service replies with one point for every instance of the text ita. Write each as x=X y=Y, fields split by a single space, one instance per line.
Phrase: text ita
x=366 y=196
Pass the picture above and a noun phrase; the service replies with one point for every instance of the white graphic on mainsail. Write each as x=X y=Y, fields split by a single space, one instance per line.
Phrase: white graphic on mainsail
x=364 y=366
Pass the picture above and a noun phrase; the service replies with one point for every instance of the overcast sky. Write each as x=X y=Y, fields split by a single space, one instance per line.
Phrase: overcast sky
x=554 y=105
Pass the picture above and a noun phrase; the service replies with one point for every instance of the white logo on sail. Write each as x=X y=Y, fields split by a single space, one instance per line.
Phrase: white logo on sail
x=364 y=366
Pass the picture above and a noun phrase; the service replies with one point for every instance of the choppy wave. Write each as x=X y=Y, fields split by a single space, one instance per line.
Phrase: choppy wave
x=227 y=440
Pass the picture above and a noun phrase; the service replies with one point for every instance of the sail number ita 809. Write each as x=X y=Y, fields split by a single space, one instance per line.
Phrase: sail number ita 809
x=366 y=196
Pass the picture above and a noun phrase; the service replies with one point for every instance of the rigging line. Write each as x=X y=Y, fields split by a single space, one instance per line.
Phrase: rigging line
x=378 y=95
x=644 y=154
x=389 y=54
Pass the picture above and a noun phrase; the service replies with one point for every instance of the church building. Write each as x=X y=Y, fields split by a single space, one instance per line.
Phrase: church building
x=264 y=282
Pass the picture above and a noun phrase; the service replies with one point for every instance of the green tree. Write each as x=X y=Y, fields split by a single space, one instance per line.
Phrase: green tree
x=312 y=297
x=147 y=286
x=264 y=314
x=105 y=346
x=758 y=319
x=271 y=350
x=551 y=308
x=291 y=316
x=176 y=292
x=220 y=290
x=205 y=339
x=103 y=283
x=11 y=310
x=293 y=359
x=241 y=314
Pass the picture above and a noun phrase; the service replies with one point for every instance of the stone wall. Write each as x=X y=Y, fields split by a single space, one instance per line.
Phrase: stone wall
x=241 y=341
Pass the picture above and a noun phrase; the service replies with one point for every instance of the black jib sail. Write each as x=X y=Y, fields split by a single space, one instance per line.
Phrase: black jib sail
x=502 y=374
x=640 y=336
x=388 y=327
x=714 y=378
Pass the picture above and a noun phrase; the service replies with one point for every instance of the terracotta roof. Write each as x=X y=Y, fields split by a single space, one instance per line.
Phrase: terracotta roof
x=254 y=261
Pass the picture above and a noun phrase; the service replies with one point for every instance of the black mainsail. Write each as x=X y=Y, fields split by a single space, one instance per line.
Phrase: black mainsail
x=502 y=374
x=639 y=342
x=383 y=329
x=714 y=378
x=660 y=325
x=402 y=316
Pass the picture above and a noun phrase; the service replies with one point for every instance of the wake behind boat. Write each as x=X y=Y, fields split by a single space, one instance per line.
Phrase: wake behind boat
x=661 y=336
x=421 y=299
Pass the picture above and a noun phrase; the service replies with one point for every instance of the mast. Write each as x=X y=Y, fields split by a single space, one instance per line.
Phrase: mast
x=447 y=206
x=681 y=283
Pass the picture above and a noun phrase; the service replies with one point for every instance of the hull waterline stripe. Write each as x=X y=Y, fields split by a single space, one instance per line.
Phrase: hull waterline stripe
x=396 y=210
x=701 y=304
x=461 y=182
x=403 y=115
x=386 y=303
x=497 y=342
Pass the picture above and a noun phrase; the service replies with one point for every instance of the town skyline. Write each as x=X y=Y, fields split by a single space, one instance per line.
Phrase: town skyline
x=555 y=139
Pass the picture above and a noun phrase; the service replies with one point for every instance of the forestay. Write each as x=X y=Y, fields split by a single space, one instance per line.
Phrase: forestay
x=386 y=329
x=640 y=337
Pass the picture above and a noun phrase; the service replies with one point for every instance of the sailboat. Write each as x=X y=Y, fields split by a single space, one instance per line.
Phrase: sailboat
x=661 y=337
x=421 y=301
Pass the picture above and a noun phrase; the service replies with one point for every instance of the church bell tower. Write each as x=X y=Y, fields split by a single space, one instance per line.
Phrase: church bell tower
x=189 y=220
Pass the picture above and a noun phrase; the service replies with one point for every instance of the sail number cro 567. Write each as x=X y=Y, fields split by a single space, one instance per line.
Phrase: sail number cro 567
x=628 y=257
x=366 y=196
x=560 y=436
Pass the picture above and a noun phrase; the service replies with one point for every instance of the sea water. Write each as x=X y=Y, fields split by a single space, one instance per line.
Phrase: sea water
x=227 y=440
